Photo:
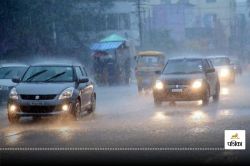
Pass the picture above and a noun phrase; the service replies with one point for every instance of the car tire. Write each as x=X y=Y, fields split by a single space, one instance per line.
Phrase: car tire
x=93 y=104
x=77 y=110
x=13 y=119
x=157 y=102
x=206 y=96
x=216 y=97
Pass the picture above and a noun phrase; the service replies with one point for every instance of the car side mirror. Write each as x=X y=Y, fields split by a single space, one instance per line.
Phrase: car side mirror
x=16 y=80
x=210 y=70
x=158 y=72
x=83 y=80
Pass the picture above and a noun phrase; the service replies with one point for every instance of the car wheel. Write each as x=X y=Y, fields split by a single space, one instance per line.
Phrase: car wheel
x=157 y=102
x=216 y=97
x=13 y=119
x=93 y=103
x=77 y=110
x=206 y=96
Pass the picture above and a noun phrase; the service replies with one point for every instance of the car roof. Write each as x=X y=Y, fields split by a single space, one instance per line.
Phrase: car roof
x=13 y=65
x=217 y=56
x=187 y=57
x=150 y=53
x=56 y=64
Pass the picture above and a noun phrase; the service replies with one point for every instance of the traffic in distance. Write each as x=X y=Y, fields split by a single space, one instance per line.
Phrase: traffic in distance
x=60 y=89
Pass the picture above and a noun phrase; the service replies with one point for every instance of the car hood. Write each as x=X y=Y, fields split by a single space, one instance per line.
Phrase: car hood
x=182 y=76
x=7 y=82
x=42 y=88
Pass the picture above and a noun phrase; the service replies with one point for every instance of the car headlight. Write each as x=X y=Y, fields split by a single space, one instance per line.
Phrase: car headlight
x=197 y=84
x=159 y=85
x=224 y=72
x=13 y=94
x=67 y=93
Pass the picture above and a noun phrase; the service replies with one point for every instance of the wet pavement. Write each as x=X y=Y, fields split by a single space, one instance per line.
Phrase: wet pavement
x=124 y=119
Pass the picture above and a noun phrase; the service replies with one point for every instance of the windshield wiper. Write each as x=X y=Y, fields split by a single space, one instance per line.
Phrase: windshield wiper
x=35 y=75
x=55 y=76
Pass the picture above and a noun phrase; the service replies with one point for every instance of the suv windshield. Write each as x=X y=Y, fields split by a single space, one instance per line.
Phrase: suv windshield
x=220 y=61
x=49 y=74
x=183 y=66
x=10 y=72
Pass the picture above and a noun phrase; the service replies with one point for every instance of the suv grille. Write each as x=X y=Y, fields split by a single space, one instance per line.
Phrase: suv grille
x=38 y=97
x=178 y=82
x=37 y=109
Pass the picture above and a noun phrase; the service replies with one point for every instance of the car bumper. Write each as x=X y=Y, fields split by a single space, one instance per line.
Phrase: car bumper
x=39 y=108
x=187 y=94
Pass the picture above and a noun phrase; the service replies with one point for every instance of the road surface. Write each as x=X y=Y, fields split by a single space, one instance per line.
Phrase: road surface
x=124 y=119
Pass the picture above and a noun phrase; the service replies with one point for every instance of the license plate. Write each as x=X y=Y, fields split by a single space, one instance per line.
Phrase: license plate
x=177 y=90
x=36 y=103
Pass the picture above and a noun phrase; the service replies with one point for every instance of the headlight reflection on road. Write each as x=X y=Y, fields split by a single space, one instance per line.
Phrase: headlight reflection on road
x=225 y=113
x=198 y=117
x=224 y=91
x=65 y=133
x=12 y=137
x=160 y=116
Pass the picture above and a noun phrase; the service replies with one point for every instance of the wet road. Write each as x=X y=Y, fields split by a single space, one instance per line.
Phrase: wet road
x=124 y=119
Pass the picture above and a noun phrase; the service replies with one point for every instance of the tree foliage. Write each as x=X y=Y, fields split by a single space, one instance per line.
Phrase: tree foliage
x=48 y=26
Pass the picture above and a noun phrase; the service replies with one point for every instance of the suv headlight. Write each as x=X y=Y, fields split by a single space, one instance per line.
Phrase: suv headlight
x=13 y=94
x=197 y=84
x=67 y=93
x=224 y=72
x=159 y=85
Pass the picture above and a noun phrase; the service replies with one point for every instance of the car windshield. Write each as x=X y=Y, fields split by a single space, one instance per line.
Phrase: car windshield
x=220 y=61
x=10 y=72
x=148 y=60
x=49 y=74
x=183 y=66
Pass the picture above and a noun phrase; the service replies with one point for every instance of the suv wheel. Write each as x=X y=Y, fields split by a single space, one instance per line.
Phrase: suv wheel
x=77 y=110
x=206 y=96
x=216 y=97
x=93 y=103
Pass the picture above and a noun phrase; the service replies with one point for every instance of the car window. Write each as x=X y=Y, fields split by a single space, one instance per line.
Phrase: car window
x=220 y=61
x=79 y=73
x=183 y=66
x=84 y=72
x=10 y=72
x=49 y=74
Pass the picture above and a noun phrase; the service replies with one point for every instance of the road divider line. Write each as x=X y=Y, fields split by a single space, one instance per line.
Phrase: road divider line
x=110 y=149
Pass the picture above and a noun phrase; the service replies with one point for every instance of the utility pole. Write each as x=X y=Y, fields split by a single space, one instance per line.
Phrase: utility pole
x=139 y=20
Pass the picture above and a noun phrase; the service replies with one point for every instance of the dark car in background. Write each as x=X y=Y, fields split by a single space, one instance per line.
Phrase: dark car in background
x=187 y=79
x=224 y=68
x=237 y=65
x=7 y=72
x=47 y=90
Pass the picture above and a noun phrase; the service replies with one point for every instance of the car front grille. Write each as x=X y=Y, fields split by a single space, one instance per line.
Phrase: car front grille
x=37 y=109
x=177 y=82
x=38 y=97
